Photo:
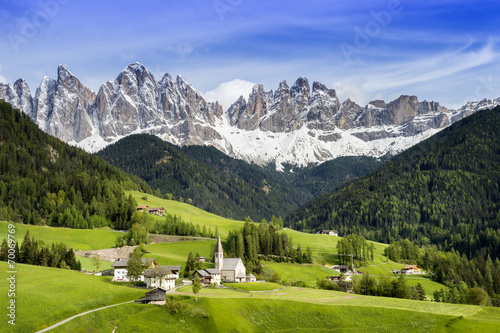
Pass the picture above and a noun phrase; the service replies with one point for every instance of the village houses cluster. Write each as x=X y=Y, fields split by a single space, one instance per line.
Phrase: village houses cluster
x=155 y=276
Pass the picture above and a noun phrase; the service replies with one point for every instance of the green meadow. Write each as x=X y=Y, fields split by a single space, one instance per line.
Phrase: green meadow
x=188 y=213
x=78 y=239
x=176 y=253
x=308 y=273
x=46 y=295
x=287 y=310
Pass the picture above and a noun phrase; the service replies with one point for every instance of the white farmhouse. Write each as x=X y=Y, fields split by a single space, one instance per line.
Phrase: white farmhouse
x=162 y=277
x=121 y=271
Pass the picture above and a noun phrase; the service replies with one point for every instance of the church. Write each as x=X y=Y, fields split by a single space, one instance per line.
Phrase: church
x=232 y=269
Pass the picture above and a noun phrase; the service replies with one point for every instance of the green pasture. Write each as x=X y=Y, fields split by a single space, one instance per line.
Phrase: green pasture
x=188 y=213
x=78 y=239
x=176 y=253
x=308 y=273
x=45 y=295
x=245 y=314
x=254 y=286
x=89 y=265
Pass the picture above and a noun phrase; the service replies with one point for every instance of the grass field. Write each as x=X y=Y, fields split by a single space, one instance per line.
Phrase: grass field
x=45 y=295
x=188 y=213
x=88 y=264
x=289 y=310
x=78 y=239
x=177 y=253
x=254 y=286
x=308 y=273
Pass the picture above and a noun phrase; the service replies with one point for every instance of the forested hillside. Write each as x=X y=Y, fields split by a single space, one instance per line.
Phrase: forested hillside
x=46 y=181
x=233 y=189
x=445 y=191
x=225 y=186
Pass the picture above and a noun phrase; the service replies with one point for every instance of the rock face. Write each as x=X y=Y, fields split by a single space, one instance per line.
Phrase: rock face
x=296 y=125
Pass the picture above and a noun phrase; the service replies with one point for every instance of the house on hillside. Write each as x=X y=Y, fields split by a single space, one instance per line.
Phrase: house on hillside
x=232 y=269
x=157 y=211
x=208 y=276
x=328 y=232
x=121 y=271
x=156 y=296
x=142 y=208
x=162 y=277
x=411 y=270
x=342 y=269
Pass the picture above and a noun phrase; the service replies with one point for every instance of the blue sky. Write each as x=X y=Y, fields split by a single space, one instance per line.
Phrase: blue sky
x=447 y=51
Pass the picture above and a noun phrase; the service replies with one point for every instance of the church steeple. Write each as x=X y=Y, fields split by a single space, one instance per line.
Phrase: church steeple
x=219 y=255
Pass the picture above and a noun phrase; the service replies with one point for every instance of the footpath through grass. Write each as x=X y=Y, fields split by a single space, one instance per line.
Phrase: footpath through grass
x=45 y=296
x=290 y=310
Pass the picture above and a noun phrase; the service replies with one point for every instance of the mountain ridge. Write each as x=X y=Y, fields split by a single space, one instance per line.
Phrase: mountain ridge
x=298 y=125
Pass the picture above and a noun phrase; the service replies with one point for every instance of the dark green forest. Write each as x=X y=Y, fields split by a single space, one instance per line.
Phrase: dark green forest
x=225 y=186
x=46 y=181
x=220 y=190
x=443 y=191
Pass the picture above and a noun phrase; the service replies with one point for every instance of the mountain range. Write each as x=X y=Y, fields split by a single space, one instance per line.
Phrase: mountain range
x=297 y=125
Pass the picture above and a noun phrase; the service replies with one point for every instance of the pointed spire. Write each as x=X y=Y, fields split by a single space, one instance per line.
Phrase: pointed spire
x=219 y=246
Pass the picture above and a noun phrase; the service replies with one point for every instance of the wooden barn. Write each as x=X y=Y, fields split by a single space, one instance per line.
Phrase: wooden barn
x=156 y=295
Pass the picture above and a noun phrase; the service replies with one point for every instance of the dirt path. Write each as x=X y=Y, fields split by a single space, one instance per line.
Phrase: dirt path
x=79 y=315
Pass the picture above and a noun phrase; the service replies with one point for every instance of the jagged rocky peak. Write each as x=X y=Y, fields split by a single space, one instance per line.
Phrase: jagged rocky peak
x=317 y=86
x=18 y=95
x=378 y=104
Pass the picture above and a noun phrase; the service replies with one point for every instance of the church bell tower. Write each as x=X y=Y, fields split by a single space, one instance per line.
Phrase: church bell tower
x=219 y=255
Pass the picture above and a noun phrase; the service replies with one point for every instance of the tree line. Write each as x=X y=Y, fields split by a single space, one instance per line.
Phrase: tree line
x=469 y=278
x=264 y=240
x=35 y=252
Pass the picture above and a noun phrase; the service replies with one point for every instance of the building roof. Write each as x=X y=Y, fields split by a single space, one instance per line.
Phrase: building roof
x=240 y=275
x=122 y=262
x=159 y=289
x=202 y=273
x=251 y=275
x=162 y=271
x=230 y=264
x=142 y=207
x=341 y=267
x=213 y=271
x=155 y=209
x=411 y=266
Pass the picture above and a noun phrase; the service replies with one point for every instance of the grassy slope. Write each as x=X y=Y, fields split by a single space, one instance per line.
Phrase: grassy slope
x=292 y=310
x=188 y=213
x=78 y=239
x=177 y=253
x=308 y=273
x=45 y=295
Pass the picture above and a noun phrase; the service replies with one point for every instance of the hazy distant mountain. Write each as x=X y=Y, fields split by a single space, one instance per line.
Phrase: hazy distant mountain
x=297 y=125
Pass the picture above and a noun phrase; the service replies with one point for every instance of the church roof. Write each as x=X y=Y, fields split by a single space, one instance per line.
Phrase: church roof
x=230 y=264
x=240 y=275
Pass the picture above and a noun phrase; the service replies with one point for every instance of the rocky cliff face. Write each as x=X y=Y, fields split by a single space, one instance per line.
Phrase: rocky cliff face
x=296 y=125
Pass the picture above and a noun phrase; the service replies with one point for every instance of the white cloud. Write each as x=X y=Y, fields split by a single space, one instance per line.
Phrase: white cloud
x=354 y=90
x=432 y=68
x=228 y=92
